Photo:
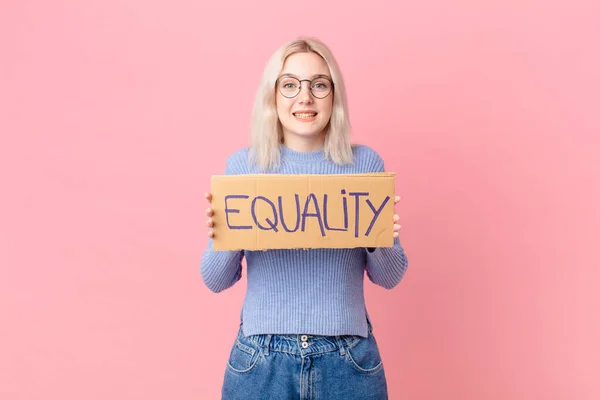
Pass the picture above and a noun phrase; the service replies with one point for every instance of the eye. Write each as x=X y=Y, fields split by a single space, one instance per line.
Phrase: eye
x=321 y=84
x=288 y=84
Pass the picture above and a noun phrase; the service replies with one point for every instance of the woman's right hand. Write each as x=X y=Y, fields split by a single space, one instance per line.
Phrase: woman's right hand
x=209 y=213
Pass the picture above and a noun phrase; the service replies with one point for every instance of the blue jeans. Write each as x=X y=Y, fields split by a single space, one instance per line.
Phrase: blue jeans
x=304 y=367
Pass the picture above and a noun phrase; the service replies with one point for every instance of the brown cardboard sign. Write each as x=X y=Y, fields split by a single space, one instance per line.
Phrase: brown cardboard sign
x=270 y=211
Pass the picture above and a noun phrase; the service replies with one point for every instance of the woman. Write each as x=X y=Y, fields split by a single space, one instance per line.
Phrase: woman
x=305 y=332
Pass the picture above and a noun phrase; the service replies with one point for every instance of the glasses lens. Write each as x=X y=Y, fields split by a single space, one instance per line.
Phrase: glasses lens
x=320 y=88
x=289 y=87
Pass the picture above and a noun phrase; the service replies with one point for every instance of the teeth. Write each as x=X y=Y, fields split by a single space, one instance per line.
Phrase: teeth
x=305 y=115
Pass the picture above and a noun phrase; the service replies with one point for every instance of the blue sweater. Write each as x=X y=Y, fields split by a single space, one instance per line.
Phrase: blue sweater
x=315 y=291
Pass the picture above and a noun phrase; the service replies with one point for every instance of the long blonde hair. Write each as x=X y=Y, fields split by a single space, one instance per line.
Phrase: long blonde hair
x=265 y=130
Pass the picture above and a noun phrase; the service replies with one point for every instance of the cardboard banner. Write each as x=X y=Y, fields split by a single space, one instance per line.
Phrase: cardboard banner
x=259 y=212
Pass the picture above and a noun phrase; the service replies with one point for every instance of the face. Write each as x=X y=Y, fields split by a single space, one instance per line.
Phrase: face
x=306 y=114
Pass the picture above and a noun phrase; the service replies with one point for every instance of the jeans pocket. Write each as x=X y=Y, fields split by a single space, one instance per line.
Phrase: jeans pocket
x=243 y=357
x=364 y=355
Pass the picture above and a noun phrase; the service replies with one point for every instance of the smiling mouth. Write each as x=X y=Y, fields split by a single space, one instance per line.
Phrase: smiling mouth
x=306 y=116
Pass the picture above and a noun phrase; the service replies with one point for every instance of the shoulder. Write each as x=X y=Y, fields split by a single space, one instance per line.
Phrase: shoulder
x=241 y=154
x=364 y=151
x=367 y=156
x=237 y=163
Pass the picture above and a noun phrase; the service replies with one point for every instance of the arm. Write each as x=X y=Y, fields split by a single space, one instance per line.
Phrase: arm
x=385 y=265
x=222 y=269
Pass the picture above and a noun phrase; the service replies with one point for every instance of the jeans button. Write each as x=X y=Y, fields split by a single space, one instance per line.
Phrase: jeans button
x=304 y=338
x=304 y=345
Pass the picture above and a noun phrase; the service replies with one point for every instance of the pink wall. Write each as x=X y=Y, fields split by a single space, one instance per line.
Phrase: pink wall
x=114 y=114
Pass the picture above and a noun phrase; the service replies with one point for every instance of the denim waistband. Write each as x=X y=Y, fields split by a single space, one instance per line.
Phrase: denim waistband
x=292 y=344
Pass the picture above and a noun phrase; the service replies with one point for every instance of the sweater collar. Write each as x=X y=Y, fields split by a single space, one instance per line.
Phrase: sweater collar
x=288 y=154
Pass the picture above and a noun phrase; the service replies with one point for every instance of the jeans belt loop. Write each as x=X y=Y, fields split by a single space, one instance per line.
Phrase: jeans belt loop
x=341 y=345
x=267 y=344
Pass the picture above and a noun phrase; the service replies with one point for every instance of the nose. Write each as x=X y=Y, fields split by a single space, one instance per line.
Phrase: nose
x=305 y=96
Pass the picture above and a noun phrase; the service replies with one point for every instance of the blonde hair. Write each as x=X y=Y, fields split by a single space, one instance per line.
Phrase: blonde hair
x=265 y=130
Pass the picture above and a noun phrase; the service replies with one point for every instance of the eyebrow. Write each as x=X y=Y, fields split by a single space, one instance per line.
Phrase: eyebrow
x=313 y=77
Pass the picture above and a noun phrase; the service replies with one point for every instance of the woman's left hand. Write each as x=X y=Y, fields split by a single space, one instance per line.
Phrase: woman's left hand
x=397 y=227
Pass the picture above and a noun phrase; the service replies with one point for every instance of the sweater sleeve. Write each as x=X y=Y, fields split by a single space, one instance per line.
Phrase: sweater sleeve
x=385 y=265
x=222 y=269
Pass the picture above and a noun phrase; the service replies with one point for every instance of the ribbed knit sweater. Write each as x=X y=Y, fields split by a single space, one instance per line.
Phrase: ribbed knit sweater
x=314 y=291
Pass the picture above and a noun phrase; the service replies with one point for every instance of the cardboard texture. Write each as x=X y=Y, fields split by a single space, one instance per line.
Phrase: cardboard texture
x=269 y=211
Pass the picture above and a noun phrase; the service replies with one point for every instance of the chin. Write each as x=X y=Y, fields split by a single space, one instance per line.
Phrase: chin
x=309 y=132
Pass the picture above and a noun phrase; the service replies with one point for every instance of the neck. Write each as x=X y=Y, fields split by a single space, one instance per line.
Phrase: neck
x=304 y=143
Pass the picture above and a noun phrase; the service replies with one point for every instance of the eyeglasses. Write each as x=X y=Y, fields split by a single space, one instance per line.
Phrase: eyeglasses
x=289 y=86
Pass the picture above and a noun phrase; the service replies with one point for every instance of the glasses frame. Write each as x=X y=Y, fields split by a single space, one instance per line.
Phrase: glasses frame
x=300 y=86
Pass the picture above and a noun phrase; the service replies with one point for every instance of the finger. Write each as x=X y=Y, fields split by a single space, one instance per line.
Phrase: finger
x=396 y=217
x=208 y=196
x=395 y=234
x=210 y=223
x=211 y=234
x=209 y=212
x=397 y=199
x=397 y=227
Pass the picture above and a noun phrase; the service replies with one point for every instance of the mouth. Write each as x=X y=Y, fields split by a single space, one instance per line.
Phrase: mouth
x=305 y=116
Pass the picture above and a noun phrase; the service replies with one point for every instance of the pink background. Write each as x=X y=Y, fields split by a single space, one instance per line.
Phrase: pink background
x=114 y=114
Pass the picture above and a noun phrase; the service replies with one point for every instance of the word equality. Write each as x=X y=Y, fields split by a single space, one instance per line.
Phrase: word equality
x=276 y=221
